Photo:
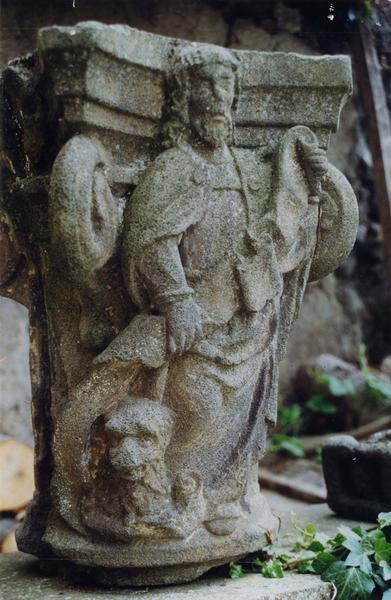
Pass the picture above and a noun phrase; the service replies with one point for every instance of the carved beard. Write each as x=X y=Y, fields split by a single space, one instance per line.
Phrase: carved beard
x=148 y=493
x=214 y=132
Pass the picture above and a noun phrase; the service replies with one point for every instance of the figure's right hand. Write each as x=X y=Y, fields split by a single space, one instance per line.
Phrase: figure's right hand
x=183 y=324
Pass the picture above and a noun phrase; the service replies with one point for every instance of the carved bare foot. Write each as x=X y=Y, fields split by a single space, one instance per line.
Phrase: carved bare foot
x=225 y=521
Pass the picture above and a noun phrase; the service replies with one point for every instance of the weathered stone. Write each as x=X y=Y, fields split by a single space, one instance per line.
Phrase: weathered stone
x=168 y=220
x=21 y=579
x=20 y=573
x=357 y=475
x=324 y=326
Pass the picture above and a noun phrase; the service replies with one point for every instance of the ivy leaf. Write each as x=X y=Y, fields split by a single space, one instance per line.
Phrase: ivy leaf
x=359 y=560
x=379 y=581
x=316 y=546
x=384 y=519
x=380 y=390
x=349 y=581
x=322 y=561
x=359 y=530
x=257 y=563
x=306 y=566
x=236 y=571
x=360 y=548
x=272 y=569
x=309 y=533
x=320 y=404
x=322 y=538
x=382 y=549
x=351 y=537
x=385 y=570
x=337 y=541
x=335 y=385
x=289 y=418
x=340 y=387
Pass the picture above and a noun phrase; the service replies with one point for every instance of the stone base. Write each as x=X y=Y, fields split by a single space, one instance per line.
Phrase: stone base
x=128 y=577
x=22 y=579
x=145 y=562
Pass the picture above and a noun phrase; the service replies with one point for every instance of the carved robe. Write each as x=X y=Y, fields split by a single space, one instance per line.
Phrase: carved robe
x=191 y=228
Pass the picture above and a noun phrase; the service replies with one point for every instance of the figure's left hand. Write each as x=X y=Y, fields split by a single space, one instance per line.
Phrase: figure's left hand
x=314 y=160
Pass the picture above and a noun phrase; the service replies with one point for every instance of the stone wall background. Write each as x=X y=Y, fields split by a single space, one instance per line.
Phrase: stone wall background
x=338 y=312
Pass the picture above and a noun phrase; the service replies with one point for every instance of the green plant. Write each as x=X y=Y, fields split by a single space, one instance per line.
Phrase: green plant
x=377 y=388
x=318 y=403
x=287 y=443
x=289 y=418
x=317 y=458
x=368 y=9
x=356 y=561
x=324 y=402
x=335 y=386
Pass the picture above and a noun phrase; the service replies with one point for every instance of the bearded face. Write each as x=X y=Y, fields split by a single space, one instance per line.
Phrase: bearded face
x=210 y=104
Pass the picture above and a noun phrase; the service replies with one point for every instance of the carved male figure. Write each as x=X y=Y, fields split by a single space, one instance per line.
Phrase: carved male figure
x=202 y=246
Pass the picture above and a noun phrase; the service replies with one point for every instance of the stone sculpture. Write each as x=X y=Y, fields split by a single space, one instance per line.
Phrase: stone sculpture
x=357 y=475
x=166 y=204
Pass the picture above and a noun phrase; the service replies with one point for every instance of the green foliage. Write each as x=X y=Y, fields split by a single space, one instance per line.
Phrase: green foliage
x=318 y=456
x=322 y=561
x=334 y=385
x=356 y=561
x=384 y=519
x=367 y=6
x=360 y=548
x=377 y=389
x=350 y=583
x=382 y=549
x=289 y=418
x=236 y=571
x=319 y=403
x=286 y=443
x=273 y=569
x=324 y=403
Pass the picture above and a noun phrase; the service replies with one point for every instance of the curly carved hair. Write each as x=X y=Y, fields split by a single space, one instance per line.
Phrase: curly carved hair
x=185 y=61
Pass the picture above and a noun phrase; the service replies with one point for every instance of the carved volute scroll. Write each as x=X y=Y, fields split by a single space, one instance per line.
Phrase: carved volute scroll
x=166 y=203
x=85 y=223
